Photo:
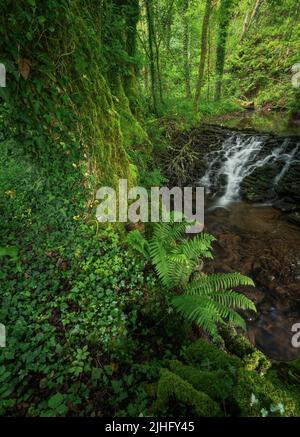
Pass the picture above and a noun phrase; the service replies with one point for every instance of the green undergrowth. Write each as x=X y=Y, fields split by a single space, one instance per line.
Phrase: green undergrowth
x=209 y=381
x=259 y=64
x=182 y=113
x=87 y=325
x=76 y=304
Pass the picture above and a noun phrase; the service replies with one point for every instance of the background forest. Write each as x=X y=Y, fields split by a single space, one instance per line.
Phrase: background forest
x=108 y=320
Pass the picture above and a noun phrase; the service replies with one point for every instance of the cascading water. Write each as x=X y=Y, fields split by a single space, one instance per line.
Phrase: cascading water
x=238 y=157
x=256 y=177
x=289 y=160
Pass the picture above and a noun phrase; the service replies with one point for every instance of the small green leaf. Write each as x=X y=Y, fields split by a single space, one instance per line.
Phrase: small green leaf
x=55 y=401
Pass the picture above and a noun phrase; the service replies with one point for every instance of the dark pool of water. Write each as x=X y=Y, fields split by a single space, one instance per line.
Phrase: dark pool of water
x=258 y=241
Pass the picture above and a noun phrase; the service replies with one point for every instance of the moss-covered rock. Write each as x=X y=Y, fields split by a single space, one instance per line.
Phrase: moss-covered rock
x=215 y=359
x=217 y=384
x=252 y=358
x=247 y=383
x=253 y=393
x=173 y=388
x=289 y=372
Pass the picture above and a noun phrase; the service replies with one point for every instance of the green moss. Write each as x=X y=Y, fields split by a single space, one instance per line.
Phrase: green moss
x=289 y=372
x=66 y=110
x=252 y=358
x=235 y=380
x=267 y=393
x=202 y=352
x=132 y=131
x=172 y=387
x=216 y=384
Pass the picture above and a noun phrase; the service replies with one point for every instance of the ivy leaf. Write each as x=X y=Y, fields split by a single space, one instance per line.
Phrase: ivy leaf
x=41 y=19
x=55 y=401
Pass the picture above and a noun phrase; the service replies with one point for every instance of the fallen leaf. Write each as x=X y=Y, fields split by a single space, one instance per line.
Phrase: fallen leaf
x=24 y=67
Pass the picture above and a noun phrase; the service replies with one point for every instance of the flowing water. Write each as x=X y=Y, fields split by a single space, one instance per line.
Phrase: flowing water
x=256 y=239
x=238 y=158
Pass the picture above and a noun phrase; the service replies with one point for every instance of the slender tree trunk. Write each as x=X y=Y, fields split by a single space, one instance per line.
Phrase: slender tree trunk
x=224 y=21
x=130 y=78
x=169 y=21
x=246 y=21
x=250 y=20
x=151 y=36
x=146 y=79
x=204 y=46
x=186 y=55
x=159 y=78
x=208 y=63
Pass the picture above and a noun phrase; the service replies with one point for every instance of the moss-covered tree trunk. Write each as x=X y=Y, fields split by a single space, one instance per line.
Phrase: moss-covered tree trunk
x=120 y=33
x=60 y=103
x=151 y=44
x=225 y=12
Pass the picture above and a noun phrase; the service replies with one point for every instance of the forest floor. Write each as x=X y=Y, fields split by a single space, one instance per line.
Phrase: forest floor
x=90 y=329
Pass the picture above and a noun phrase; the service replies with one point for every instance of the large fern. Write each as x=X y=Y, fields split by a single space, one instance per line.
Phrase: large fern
x=207 y=300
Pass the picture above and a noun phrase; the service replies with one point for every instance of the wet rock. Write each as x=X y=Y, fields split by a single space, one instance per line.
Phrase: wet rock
x=294 y=218
x=223 y=179
x=286 y=205
x=266 y=280
x=254 y=294
x=221 y=212
x=280 y=291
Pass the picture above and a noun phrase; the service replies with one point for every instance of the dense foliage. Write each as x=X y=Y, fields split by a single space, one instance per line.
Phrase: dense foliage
x=94 y=317
x=241 y=51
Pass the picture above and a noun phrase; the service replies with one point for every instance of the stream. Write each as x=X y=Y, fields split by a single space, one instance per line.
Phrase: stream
x=252 y=208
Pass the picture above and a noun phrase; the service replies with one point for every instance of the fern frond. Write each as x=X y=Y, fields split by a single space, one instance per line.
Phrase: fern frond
x=236 y=319
x=137 y=242
x=208 y=300
x=169 y=233
x=196 y=310
x=179 y=258
x=202 y=309
x=181 y=269
x=178 y=230
x=197 y=247
x=162 y=232
x=160 y=259
x=217 y=282
x=232 y=299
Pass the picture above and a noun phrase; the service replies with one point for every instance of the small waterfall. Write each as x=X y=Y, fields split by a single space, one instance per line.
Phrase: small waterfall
x=238 y=158
x=289 y=160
